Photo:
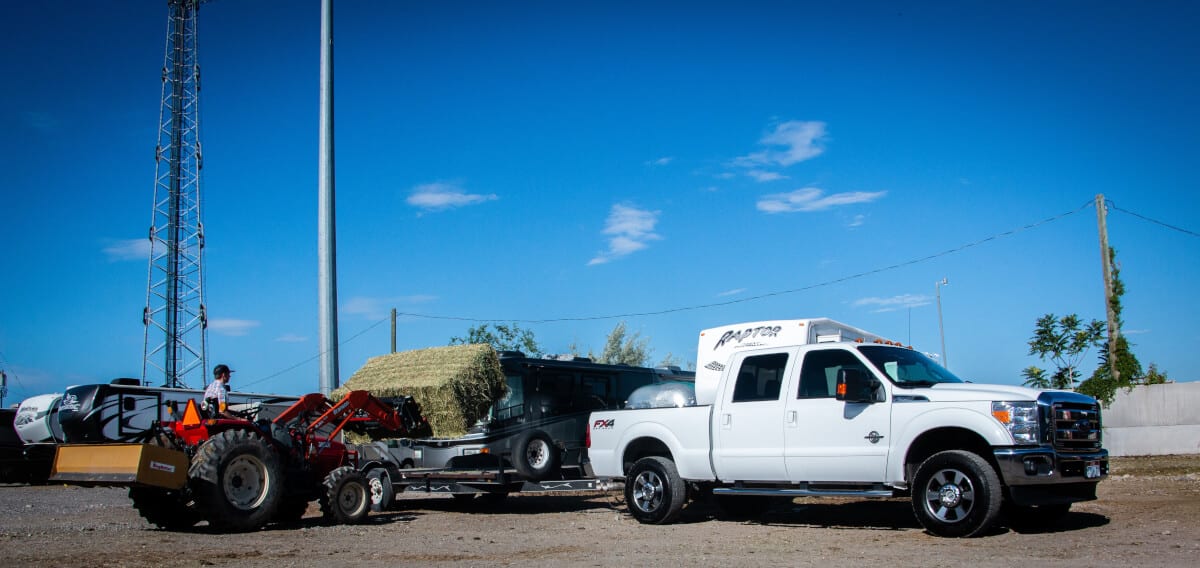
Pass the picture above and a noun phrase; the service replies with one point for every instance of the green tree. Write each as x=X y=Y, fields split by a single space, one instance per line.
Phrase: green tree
x=1101 y=385
x=1036 y=378
x=621 y=348
x=1064 y=342
x=502 y=338
x=1154 y=377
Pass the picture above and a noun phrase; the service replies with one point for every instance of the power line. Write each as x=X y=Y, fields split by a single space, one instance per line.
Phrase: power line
x=318 y=355
x=769 y=294
x=1155 y=221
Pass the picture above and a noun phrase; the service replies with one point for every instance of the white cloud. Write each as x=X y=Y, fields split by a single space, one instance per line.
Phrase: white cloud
x=41 y=121
x=894 y=303
x=733 y=292
x=1134 y=331
x=765 y=176
x=791 y=142
x=813 y=199
x=631 y=229
x=291 y=338
x=232 y=327
x=128 y=249
x=442 y=196
x=857 y=221
x=661 y=161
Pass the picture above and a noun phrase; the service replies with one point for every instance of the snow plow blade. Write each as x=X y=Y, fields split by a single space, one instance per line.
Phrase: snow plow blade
x=120 y=465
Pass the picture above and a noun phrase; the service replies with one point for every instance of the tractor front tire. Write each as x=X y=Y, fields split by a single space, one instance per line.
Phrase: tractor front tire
x=237 y=480
x=347 y=499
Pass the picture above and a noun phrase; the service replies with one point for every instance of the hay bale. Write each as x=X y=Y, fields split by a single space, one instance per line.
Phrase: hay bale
x=454 y=385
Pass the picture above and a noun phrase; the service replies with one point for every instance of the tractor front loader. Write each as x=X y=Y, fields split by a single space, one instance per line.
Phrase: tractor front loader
x=240 y=473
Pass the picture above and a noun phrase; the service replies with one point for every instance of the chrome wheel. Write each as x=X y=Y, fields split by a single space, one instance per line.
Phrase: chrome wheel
x=949 y=496
x=538 y=453
x=648 y=491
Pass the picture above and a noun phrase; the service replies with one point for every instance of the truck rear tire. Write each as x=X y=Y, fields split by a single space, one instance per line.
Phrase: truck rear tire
x=237 y=480
x=654 y=492
x=535 y=456
x=346 y=501
x=956 y=493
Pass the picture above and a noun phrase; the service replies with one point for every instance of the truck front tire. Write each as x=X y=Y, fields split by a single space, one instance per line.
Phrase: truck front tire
x=654 y=492
x=956 y=494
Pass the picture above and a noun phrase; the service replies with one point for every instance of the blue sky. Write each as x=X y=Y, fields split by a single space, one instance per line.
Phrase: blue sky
x=536 y=161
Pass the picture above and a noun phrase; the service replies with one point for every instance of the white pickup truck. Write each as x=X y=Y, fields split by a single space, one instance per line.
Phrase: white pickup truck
x=814 y=407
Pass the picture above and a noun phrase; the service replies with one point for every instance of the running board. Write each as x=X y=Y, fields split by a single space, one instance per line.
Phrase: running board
x=803 y=492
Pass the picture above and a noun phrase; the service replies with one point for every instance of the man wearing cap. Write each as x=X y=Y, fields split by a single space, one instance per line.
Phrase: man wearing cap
x=214 y=395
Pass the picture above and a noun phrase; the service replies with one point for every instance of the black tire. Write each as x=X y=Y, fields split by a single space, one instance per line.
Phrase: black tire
x=346 y=500
x=1023 y=518
x=380 y=490
x=237 y=480
x=165 y=509
x=291 y=509
x=956 y=494
x=654 y=492
x=535 y=456
x=744 y=506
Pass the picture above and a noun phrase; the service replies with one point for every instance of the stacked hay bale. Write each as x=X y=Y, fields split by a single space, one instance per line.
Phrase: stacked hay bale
x=454 y=385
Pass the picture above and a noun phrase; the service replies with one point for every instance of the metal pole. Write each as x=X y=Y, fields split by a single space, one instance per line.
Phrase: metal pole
x=393 y=330
x=3 y=388
x=937 y=287
x=1106 y=262
x=326 y=229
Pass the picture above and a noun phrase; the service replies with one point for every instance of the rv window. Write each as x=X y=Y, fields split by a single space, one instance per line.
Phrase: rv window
x=759 y=378
x=513 y=403
x=593 y=393
x=555 y=391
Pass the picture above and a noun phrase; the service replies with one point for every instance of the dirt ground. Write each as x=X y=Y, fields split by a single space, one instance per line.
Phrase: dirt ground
x=1148 y=514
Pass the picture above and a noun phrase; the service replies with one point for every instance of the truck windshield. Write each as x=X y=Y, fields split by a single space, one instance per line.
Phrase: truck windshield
x=907 y=367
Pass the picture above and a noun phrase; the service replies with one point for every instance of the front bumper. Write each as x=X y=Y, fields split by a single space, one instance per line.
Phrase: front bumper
x=1040 y=476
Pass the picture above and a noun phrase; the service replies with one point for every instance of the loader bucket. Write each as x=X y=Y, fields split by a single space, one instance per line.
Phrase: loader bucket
x=120 y=465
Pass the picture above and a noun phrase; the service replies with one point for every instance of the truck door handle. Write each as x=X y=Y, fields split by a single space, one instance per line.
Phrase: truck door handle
x=726 y=420
x=791 y=417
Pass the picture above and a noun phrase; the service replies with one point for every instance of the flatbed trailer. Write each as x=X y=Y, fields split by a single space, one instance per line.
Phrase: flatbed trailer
x=387 y=479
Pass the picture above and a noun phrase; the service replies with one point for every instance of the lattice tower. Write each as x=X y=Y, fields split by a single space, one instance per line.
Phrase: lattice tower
x=175 y=321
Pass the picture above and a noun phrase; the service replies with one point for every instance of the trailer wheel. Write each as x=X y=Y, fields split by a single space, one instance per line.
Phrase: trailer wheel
x=237 y=480
x=347 y=500
x=654 y=492
x=535 y=456
x=163 y=508
x=956 y=494
x=382 y=493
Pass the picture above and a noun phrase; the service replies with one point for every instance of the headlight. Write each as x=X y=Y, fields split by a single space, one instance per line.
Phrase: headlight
x=1020 y=418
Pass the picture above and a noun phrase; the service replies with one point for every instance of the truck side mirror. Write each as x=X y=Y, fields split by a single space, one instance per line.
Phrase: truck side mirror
x=853 y=385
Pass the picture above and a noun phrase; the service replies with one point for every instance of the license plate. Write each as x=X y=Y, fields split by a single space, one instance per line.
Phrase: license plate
x=1091 y=470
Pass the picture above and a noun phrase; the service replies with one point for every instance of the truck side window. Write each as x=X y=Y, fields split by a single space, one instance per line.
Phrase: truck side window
x=759 y=378
x=818 y=375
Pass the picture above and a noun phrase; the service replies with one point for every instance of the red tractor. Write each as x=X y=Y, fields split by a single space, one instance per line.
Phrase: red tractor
x=242 y=473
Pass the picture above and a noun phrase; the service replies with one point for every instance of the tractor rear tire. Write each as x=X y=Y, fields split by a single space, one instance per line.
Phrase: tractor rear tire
x=347 y=499
x=237 y=480
x=163 y=508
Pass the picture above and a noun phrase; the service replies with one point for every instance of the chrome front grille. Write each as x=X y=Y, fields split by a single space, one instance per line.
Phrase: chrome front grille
x=1075 y=427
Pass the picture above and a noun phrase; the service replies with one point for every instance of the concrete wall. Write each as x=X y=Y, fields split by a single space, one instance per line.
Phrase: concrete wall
x=1154 y=420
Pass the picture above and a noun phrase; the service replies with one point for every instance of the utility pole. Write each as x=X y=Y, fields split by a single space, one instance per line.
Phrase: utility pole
x=1106 y=263
x=326 y=227
x=937 y=287
x=3 y=388
x=393 y=330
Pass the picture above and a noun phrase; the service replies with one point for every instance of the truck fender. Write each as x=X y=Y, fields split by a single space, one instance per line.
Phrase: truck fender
x=905 y=434
x=693 y=464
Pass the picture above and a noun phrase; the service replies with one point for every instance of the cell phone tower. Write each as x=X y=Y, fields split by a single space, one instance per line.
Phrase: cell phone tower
x=176 y=325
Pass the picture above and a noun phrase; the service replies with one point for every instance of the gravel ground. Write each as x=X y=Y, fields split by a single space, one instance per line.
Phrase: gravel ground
x=1147 y=514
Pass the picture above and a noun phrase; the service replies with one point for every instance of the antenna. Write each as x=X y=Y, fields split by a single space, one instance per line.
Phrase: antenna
x=174 y=317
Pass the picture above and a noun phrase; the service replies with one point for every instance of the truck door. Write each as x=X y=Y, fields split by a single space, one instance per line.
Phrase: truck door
x=748 y=425
x=827 y=439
